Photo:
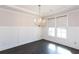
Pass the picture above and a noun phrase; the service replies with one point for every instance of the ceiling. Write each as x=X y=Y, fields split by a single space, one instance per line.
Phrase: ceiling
x=45 y=10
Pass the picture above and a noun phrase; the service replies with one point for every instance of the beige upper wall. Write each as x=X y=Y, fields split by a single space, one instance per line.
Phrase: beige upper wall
x=11 y=18
x=73 y=18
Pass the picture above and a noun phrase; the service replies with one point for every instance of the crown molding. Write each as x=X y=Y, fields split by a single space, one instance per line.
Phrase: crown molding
x=66 y=11
x=14 y=8
x=19 y=9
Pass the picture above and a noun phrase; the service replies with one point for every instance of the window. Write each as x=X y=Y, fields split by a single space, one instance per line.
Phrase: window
x=51 y=31
x=57 y=27
x=62 y=33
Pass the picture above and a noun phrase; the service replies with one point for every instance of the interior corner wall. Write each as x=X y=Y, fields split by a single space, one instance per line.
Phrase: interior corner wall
x=72 y=30
x=17 y=28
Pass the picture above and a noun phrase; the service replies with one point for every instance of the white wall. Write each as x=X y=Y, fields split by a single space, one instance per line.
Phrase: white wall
x=72 y=30
x=16 y=29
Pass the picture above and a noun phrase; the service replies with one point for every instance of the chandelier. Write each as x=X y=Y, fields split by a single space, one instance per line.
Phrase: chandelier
x=40 y=21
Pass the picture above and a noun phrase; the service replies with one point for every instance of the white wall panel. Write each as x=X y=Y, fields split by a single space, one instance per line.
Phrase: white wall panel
x=8 y=37
x=28 y=34
x=73 y=36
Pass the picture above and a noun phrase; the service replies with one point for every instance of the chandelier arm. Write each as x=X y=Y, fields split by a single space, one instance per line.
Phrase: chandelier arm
x=39 y=10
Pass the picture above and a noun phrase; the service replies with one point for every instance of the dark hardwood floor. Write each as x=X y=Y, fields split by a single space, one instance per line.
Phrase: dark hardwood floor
x=41 y=47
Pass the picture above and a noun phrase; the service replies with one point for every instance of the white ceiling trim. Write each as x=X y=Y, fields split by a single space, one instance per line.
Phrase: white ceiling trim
x=21 y=10
x=14 y=8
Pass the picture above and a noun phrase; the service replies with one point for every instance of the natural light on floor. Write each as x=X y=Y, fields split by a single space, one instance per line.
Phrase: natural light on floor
x=57 y=49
